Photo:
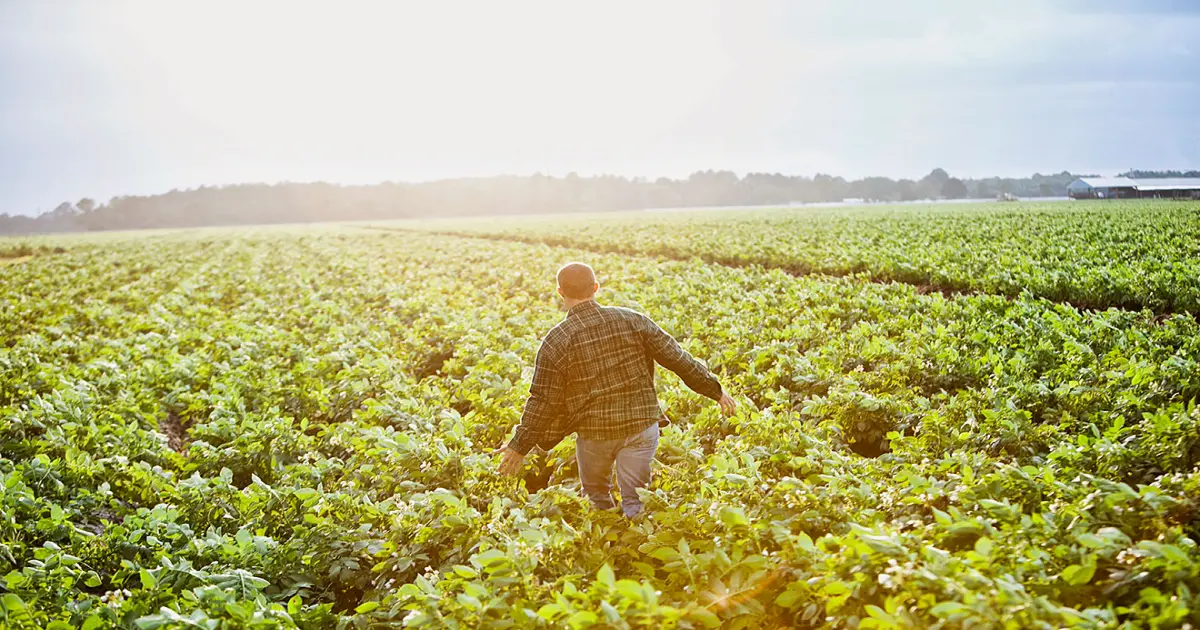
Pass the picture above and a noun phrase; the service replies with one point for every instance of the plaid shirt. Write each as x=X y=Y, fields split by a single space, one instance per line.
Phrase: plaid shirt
x=594 y=374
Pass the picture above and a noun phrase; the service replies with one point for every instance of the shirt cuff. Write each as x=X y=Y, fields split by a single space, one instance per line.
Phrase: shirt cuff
x=522 y=442
x=715 y=392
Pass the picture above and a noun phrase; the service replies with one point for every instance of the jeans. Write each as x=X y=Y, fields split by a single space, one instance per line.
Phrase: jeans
x=632 y=456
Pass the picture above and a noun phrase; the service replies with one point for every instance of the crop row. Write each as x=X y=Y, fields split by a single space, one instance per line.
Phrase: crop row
x=1130 y=255
x=294 y=429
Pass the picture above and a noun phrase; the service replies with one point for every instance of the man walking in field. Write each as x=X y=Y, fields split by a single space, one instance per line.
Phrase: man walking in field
x=594 y=375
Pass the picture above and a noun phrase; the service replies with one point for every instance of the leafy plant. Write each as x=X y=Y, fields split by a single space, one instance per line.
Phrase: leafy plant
x=227 y=430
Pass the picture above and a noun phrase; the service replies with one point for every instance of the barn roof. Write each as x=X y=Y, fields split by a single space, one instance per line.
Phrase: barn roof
x=1145 y=183
x=1109 y=182
x=1168 y=183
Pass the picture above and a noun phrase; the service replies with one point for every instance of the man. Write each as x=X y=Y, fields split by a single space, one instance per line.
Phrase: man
x=594 y=375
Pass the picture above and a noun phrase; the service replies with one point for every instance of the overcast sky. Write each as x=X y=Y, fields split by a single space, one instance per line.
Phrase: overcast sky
x=102 y=98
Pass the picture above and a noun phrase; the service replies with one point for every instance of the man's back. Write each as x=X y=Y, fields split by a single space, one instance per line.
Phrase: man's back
x=610 y=388
x=595 y=375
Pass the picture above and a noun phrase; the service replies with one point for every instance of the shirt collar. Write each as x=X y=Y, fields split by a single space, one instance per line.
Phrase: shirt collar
x=582 y=307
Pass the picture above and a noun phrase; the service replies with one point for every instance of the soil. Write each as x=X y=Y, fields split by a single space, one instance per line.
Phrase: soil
x=175 y=432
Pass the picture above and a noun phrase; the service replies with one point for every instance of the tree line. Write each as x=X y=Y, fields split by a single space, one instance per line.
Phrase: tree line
x=244 y=204
x=1136 y=174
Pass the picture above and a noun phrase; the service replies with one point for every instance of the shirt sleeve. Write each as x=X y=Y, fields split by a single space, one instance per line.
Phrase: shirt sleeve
x=666 y=351
x=546 y=400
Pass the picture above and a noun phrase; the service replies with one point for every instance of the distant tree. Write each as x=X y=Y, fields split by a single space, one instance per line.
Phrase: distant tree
x=1135 y=174
x=875 y=189
x=906 y=190
x=828 y=188
x=1045 y=190
x=85 y=205
x=954 y=188
x=938 y=176
x=64 y=209
x=931 y=185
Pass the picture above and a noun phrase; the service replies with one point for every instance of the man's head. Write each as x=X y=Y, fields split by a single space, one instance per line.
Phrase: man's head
x=577 y=281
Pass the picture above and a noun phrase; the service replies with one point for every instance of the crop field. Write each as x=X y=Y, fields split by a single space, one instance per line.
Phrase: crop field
x=1129 y=254
x=951 y=417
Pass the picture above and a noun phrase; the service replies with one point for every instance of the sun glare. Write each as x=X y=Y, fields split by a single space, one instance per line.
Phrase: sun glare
x=453 y=83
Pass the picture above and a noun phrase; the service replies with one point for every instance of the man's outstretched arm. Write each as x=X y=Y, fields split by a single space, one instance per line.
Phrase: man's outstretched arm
x=545 y=404
x=667 y=352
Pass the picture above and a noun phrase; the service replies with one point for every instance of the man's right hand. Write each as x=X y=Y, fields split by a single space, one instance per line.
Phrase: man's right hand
x=728 y=404
x=510 y=461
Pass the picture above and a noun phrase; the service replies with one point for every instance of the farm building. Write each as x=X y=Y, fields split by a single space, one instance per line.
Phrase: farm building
x=1126 y=188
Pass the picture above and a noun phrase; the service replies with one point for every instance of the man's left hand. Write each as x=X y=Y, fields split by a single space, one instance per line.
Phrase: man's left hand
x=510 y=463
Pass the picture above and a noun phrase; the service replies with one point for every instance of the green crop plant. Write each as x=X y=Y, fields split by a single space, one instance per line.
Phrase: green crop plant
x=292 y=428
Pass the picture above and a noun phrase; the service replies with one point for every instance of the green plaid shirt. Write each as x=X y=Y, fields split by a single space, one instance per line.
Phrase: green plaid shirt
x=594 y=374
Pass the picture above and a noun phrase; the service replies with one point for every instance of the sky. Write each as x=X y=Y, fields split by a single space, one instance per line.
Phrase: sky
x=116 y=97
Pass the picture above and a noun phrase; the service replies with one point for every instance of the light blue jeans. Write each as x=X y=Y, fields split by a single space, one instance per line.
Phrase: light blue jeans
x=632 y=456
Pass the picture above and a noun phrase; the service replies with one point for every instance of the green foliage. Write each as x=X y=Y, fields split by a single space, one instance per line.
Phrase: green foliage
x=211 y=430
x=1129 y=254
